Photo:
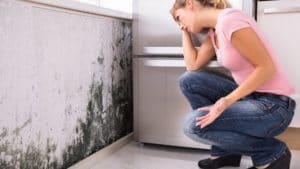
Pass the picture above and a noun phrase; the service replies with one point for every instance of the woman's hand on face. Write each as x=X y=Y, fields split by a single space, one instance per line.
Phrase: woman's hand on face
x=183 y=28
x=213 y=113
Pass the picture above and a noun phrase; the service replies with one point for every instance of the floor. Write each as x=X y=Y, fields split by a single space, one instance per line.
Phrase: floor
x=148 y=156
x=292 y=137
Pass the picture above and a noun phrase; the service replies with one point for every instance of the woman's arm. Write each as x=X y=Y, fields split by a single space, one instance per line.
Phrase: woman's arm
x=249 y=45
x=195 y=58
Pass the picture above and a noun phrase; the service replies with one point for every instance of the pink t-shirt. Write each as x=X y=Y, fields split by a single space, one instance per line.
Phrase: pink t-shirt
x=229 y=21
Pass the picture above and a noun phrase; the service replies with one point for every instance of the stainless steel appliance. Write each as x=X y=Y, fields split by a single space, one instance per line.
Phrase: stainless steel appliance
x=159 y=106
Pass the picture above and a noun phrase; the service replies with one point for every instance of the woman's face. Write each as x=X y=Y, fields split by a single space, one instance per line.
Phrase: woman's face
x=186 y=18
x=181 y=17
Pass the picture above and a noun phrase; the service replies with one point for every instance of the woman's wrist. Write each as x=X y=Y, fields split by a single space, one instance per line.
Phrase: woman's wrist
x=229 y=100
x=222 y=103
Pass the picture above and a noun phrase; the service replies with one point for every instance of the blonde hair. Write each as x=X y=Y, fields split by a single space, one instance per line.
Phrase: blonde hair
x=218 y=4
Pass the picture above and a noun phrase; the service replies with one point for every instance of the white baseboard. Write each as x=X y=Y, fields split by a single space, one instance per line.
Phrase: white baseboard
x=97 y=157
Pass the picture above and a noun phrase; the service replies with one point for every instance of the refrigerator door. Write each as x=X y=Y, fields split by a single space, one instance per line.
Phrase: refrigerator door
x=153 y=24
x=236 y=3
x=248 y=6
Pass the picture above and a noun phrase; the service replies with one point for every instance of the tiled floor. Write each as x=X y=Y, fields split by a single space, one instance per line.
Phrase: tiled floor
x=145 y=156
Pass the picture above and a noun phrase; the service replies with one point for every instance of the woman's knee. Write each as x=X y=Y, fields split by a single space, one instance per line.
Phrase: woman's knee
x=184 y=79
x=188 y=77
x=189 y=124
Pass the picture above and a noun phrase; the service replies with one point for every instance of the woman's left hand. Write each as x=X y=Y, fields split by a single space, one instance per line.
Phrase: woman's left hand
x=213 y=112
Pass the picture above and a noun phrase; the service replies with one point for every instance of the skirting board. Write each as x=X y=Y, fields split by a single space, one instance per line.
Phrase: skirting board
x=97 y=157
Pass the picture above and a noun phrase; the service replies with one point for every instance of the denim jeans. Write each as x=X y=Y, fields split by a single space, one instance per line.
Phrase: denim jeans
x=247 y=127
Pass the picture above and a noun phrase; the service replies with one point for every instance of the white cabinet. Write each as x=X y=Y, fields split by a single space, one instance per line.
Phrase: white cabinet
x=280 y=21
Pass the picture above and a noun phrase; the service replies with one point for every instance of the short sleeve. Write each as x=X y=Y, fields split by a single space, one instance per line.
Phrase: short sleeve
x=233 y=22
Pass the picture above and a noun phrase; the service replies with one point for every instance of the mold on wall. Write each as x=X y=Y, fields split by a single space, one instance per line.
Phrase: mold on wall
x=102 y=127
x=66 y=85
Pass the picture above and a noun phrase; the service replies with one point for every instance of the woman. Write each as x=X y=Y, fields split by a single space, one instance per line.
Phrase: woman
x=239 y=117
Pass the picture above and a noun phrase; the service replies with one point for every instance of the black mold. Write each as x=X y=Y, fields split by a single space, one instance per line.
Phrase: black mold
x=100 y=60
x=18 y=129
x=102 y=127
x=33 y=157
x=3 y=133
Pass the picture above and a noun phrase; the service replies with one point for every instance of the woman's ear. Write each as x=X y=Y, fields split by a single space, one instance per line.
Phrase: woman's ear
x=189 y=4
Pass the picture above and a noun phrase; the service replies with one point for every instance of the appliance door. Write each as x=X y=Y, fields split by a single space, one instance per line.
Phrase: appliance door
x=280 y=22
x=159 y=105
x=158 y=28
x=248 y=6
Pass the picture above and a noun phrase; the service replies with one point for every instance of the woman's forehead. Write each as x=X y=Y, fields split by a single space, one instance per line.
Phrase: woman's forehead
x=179 y=11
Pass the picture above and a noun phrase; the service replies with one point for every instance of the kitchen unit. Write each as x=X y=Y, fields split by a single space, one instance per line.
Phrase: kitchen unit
x=279 y=20
x=159 y=105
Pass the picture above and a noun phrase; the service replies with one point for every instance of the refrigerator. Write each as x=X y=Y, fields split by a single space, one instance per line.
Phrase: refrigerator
x=159 y=105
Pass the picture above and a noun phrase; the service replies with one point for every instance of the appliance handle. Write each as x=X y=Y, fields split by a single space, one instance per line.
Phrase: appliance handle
x=282 y=10
x=172 y=63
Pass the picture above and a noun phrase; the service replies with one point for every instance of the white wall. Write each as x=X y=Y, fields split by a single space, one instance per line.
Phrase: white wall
x=65 y=84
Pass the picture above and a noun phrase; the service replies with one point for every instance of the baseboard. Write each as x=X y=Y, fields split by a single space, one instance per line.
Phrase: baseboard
x=97 y=157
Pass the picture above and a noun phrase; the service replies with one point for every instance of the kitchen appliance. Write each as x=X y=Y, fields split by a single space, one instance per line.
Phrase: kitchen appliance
x=159 y=105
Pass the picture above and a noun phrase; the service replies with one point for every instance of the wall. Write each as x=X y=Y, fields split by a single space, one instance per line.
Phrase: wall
x=65 y=85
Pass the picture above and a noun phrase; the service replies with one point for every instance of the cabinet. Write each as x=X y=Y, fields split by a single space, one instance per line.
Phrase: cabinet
x=280 y=23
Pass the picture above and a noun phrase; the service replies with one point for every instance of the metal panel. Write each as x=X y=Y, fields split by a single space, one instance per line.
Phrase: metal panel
x=159 y=107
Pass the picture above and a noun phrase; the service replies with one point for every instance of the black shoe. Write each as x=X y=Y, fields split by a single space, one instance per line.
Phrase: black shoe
x=281 y=163
x=229 y=160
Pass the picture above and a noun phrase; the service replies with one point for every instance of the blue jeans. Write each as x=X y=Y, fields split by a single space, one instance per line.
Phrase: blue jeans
x=247 y=127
